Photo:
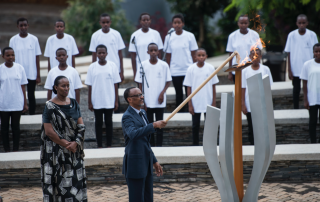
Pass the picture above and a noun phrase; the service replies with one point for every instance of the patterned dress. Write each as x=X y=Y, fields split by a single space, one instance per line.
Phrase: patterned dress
x=63 y=174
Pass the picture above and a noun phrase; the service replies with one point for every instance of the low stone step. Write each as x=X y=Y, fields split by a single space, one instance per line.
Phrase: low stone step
x=294 y=116
x=297 y=162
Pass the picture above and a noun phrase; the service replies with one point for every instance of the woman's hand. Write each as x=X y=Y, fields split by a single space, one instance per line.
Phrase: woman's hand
x=72 y=147
x=64 y=143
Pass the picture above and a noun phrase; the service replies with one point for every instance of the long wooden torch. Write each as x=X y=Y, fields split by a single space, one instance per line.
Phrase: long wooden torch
x=235 y=53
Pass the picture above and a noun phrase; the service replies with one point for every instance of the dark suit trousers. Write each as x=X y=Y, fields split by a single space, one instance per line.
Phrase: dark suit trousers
x=141 y=190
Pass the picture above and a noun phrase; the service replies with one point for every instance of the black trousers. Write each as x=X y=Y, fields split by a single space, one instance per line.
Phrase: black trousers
x=159 y=116
x=296 y=82
x=15 y=127
x=234 y=78
x=196 y=118
x=141 y=190
x=98 y=114
x=250 y=129
x=313 y=118
x=178 y=86
x=31 y=87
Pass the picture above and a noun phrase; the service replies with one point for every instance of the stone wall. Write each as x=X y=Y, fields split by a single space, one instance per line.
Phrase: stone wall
x=178 y=136
x=279 y=171
x=279 y=102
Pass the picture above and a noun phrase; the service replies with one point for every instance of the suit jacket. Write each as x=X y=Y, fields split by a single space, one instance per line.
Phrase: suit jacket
x=138 y=153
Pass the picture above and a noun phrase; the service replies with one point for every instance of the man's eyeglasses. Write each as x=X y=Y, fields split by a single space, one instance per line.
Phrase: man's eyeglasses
x=138 y=95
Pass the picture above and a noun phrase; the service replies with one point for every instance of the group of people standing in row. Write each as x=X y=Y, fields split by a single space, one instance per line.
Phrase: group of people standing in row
x=62 y=164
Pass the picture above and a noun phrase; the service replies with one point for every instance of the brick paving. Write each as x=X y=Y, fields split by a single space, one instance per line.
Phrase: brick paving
x=271 y=192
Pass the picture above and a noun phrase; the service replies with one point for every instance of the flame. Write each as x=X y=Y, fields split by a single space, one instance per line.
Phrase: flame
x=244 y=61
x=258 y=27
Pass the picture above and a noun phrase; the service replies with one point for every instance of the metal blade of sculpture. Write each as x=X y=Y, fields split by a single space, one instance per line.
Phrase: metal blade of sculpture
x=264 y=138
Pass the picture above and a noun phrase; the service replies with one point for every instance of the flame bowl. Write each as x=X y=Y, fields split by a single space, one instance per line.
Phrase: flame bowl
x=236 y=68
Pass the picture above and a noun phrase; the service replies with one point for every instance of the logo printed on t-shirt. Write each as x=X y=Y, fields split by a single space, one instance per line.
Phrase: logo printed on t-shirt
x=159 y=75
x=108 y=76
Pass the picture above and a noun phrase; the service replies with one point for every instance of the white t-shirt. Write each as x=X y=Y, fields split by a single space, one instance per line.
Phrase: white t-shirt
x=142 y=41
x=242 y=43
x=180 y=47
x=157 y=76
x=53 y=43
x=311 y=73
x=300 y=48
x=26 y=49
x=11 y=95
x=194 y=78
x=70 y=73
x=102 y=80
x=112 y=40
x=249 y=72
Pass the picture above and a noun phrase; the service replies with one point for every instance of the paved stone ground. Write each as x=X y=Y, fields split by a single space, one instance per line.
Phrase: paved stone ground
x=271 y=192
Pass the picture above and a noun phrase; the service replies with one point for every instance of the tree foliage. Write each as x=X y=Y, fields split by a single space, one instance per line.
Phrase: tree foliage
x=82 y=19
x=279 y=16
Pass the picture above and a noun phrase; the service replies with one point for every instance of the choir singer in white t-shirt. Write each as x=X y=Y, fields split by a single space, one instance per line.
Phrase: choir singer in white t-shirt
x=310 y=75
x=255 y=68
x=63 y=69
x=27 y=50
x=241 y=40
x=142 y=38
x=102 y=80
x=60 y=40
x=181 y=48
x=13 y=99
x=299 y=48
x=159 y=78
x=196 y=74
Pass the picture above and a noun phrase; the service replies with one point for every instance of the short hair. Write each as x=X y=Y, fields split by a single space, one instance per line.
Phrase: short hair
x=152 y=44
x=201 y=49
x=302 y=16
x=256 y=49
x=56 y=83
x=126 y=93
x=316 y=45
x=101 y=46
x=6 y=48
x=21 y=20
x=104 y=15
x=59 y=49
x=244 y=15
x=142 y=14
x=64 y=24
x=178 y=16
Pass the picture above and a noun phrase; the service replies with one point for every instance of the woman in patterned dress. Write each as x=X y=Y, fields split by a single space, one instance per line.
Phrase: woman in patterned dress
x=63 y=173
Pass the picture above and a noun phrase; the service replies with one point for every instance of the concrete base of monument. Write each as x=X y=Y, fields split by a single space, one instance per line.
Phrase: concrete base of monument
x=291 y=163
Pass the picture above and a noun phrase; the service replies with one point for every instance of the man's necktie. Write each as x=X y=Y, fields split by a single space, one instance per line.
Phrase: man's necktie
x=141 y=114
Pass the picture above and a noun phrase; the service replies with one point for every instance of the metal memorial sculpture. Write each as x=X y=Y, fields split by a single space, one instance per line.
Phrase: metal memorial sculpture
x=264 y=130
x=227 y=167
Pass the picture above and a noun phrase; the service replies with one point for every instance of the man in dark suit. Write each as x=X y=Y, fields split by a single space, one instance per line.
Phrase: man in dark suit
x=139 y=158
